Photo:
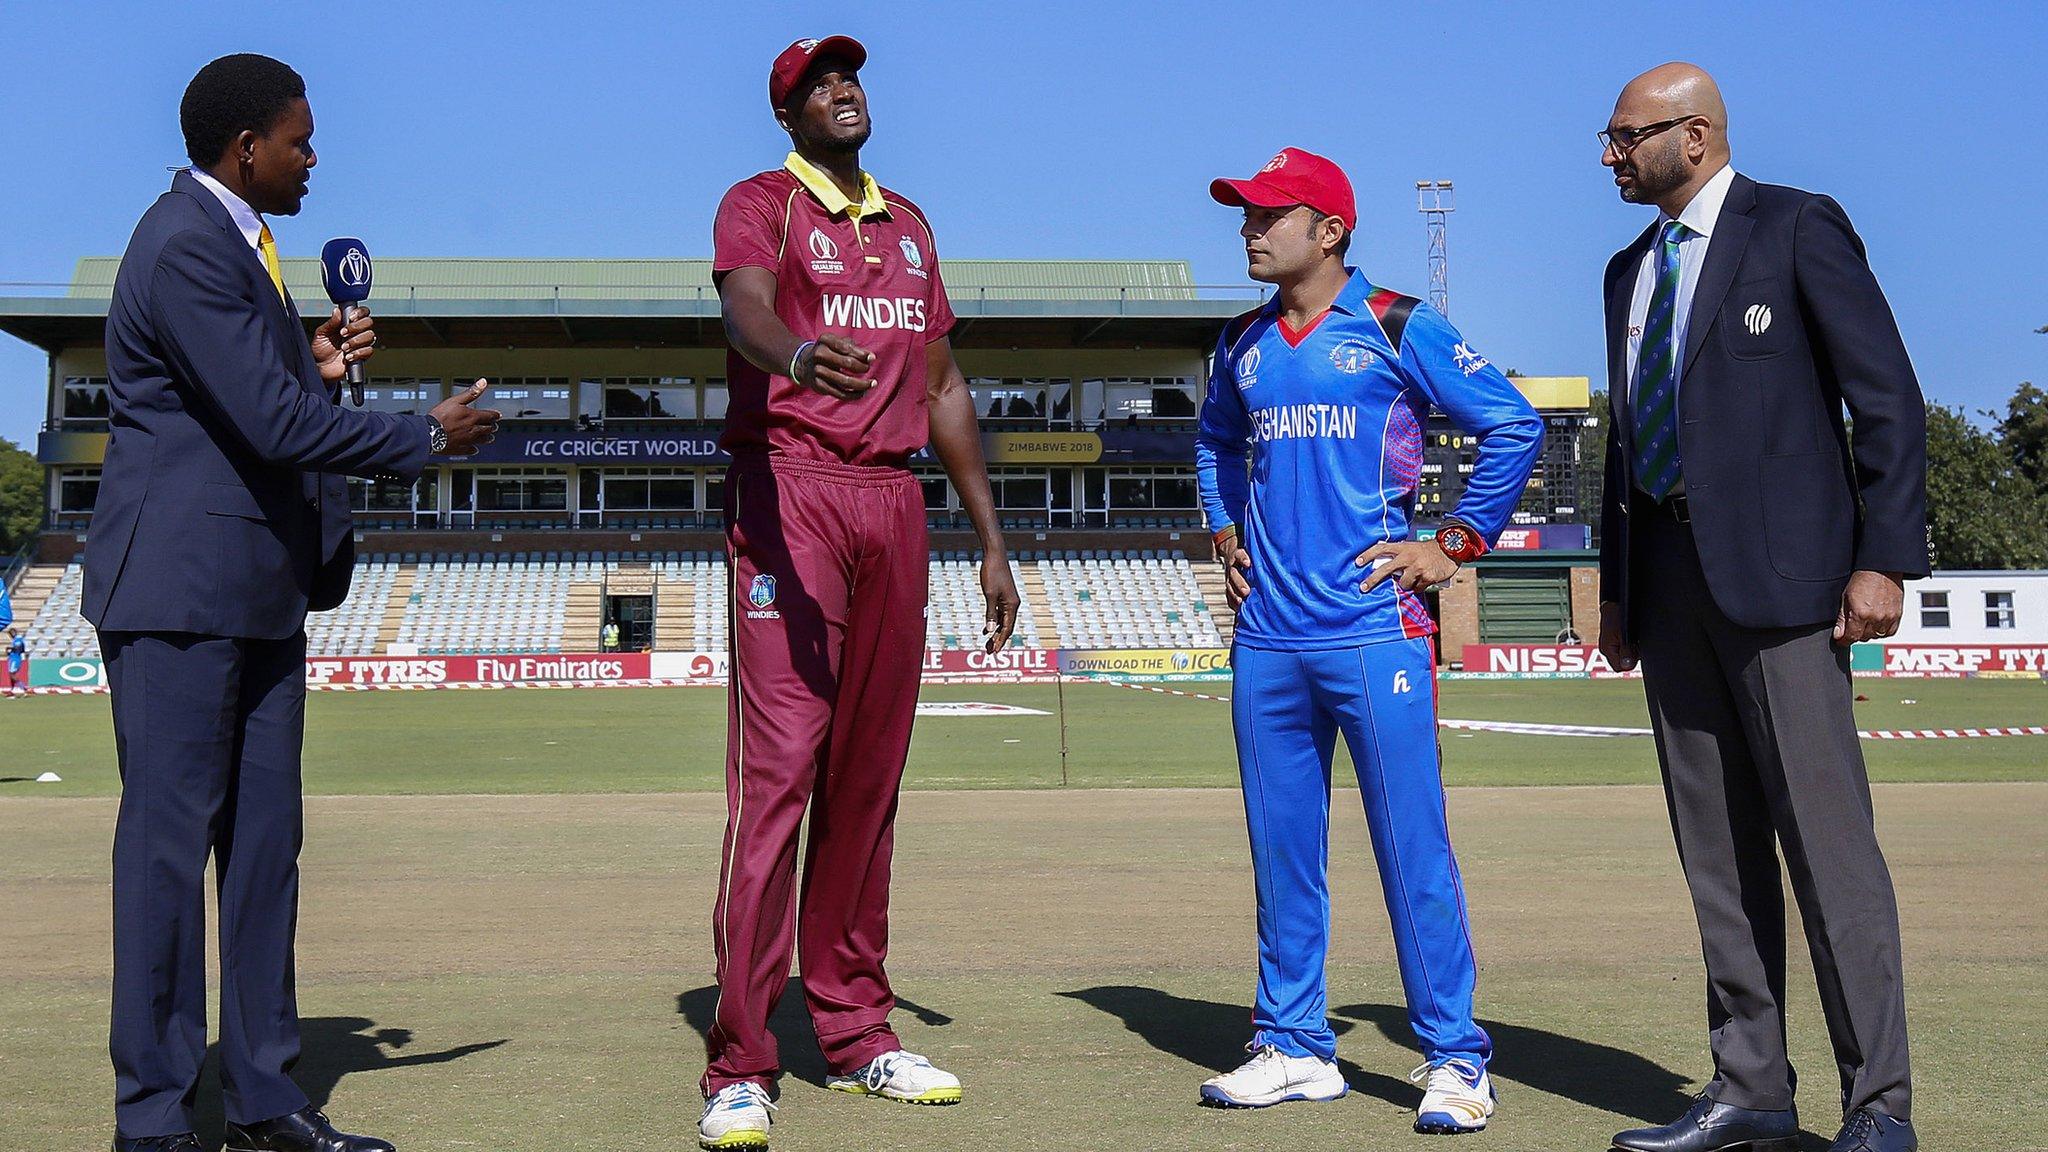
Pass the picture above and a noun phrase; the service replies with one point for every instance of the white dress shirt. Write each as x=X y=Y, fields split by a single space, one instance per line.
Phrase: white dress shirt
x=244 y=216
x=1699 y=217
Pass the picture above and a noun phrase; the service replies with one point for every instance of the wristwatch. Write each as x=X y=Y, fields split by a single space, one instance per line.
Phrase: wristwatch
x=437 y=438
x=1460 y=542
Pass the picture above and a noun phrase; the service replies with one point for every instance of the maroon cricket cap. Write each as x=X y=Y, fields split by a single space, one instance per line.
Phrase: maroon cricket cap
x=1293 y=177
x=796 y=60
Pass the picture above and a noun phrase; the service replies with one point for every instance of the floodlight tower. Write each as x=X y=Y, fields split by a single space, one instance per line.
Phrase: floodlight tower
x=1433 y=200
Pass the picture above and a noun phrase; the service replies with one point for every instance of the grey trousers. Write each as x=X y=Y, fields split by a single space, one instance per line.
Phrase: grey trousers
x=1757 y=741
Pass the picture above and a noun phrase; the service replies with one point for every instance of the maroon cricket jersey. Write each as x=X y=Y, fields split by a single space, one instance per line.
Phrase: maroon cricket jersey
x=873 y=279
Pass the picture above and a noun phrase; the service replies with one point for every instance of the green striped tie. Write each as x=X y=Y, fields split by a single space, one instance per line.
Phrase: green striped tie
x=1656 y=382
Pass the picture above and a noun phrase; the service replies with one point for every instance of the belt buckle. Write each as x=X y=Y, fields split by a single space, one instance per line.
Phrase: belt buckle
x=1680 y=509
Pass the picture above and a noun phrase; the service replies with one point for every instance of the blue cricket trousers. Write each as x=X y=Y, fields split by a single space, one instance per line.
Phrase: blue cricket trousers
x=1287 y=708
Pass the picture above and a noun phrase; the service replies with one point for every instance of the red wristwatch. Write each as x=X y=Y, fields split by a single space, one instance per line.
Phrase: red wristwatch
x=1460 y=542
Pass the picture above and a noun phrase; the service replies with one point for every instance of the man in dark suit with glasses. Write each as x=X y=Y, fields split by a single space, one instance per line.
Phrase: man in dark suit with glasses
x=1745 y=545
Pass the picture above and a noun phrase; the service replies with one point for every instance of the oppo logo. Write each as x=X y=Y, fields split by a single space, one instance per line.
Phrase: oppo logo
x=1757 y=319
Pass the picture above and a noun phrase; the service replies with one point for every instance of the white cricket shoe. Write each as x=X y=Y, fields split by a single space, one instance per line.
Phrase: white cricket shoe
x=1457 y=1096
x=1272 y=1077
x=736 y=1117
x=900 y=1075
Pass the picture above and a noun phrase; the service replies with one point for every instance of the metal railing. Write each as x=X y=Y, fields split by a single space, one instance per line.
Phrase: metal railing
x=17 y=565
x=704 y=293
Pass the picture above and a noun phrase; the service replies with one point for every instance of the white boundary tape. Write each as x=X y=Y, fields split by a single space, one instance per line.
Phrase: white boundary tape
x=1509 y=727
x=1517 y=728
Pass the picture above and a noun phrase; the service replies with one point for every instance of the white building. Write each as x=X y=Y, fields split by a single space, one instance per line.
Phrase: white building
x=1976 y=608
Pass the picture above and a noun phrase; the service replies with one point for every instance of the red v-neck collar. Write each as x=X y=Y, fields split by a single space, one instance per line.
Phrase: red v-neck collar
x=1292 y=337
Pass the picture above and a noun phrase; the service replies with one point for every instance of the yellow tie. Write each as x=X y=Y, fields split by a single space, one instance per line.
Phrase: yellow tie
x=269 y=248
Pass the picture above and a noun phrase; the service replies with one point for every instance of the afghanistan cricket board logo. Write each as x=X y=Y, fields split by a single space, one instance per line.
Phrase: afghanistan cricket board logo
x=761 y=594
x=1352 y=357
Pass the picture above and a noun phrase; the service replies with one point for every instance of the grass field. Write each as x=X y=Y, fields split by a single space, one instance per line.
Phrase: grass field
x=531 y=970
x=673 y=739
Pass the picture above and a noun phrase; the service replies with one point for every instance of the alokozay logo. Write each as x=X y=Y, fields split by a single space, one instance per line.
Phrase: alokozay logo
x=762 y=594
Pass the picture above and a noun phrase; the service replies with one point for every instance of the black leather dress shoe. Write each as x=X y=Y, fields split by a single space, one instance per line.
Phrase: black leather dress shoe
x=303 y=1131
x=1711 y=1126
x=176 y=1142
x=1868 y=1130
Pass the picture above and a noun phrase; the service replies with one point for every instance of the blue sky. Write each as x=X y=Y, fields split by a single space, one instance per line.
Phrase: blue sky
x=1079 y=130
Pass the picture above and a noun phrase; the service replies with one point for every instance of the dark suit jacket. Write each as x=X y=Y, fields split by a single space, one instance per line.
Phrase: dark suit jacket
x=221 y=508
x=1782 y=508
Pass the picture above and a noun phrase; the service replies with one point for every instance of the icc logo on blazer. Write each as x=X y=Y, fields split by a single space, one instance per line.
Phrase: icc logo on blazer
x=1757 y=318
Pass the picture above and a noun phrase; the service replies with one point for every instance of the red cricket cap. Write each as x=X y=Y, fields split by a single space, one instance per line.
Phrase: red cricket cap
x=1293 y=177
x=789 y=68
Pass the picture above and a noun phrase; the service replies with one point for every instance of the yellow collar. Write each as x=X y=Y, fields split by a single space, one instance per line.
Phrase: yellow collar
x=829 y=194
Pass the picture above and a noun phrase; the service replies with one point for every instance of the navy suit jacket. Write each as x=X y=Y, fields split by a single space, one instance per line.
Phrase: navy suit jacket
x=1787 y=326
x=222 y=505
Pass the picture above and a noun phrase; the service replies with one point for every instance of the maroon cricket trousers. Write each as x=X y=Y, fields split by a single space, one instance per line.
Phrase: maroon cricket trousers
x=829 y=584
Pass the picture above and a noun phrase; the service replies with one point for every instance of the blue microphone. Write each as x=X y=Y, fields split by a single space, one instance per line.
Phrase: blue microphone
x=345 y=272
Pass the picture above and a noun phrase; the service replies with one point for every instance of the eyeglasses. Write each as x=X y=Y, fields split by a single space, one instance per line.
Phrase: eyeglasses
x=1624 y=140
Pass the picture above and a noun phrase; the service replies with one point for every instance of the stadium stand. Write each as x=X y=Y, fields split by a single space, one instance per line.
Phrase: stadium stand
x=469 y=603
x=56 y=630
x=959 y=611
x=1120 y=601
x=353 y=628
x=475 y=604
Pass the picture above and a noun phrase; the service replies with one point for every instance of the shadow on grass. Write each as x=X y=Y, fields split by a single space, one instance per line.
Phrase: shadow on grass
x=1212 y=1036
x=790 y=1024
x=333 y=1047
x=1585 y=1071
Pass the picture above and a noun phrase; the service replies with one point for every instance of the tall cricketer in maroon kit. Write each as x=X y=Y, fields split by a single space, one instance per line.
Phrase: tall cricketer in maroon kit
x=840 y=369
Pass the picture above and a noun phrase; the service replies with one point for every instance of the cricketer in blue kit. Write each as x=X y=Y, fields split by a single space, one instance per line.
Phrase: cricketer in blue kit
x=1325 y=391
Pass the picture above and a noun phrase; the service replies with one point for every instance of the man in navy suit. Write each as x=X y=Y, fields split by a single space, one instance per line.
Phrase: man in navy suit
x=1745 y=545
x=222 y=519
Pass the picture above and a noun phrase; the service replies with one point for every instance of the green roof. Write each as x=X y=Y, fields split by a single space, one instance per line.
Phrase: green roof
x=595 y=280
x=670 y=303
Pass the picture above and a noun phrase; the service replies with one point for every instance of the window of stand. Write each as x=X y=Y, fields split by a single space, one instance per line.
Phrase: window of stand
x=644 y=398
x=521 y=490
x=1025 y=490
x=530 y=397
x=1145 y=399
x=77 y=490
x=1153 y=490
x=85 y=401
x=1032 y=401
x=1934 y=609
x=648 y=490
x=1998 y=613
x=411 y=395
x=391 y=497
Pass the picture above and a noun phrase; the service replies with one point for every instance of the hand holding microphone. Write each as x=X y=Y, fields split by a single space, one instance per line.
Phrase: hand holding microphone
x=347 y=336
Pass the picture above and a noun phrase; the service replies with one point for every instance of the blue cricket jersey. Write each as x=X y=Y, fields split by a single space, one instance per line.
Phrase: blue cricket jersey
x=1332 y=420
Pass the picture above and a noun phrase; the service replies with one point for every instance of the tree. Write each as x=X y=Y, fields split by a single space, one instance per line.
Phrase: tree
x=2024 y=433
x=1982 y=510
x=21 y=496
